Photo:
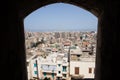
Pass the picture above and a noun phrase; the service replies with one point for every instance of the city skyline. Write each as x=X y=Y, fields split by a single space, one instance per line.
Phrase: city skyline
x=60 y=55
x=60 y=17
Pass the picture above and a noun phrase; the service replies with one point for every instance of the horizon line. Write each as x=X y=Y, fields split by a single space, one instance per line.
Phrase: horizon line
x=54 y=30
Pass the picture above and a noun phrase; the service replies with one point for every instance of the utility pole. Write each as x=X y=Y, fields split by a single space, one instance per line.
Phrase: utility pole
x=69 y=60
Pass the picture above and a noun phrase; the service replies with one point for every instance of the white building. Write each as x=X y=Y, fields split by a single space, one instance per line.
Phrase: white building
x=55 y=66
x=83 y=69
x=82 y=65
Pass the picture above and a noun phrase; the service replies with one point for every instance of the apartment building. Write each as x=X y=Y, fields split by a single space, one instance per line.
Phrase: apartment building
x=82 y=65
x=54 y=66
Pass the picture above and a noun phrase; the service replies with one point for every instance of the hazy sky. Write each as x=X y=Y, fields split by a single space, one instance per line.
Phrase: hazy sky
x=62 y=17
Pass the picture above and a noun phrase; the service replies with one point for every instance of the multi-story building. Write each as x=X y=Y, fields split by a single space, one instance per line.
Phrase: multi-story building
x=56 y=63
x=82 y=65
x=55 y=67
x=82 y=69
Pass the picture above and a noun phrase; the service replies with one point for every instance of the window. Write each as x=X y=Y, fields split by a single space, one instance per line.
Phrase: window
x=59 y=72
x=35 y=65
x=35 y=72
x=44 y=74
x=59 y=65
x=52 y=75
x=64 y=75
x=58 y=78
x=64 y=69
x=76 y=70
x=90 y=70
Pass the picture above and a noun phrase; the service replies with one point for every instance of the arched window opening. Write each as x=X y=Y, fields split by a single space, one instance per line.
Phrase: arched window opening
x=60 y=38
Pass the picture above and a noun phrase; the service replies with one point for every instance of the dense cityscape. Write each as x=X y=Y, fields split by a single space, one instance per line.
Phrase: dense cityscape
x=60 y=55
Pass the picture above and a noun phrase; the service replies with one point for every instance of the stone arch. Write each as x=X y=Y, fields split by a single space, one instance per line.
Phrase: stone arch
x=29 y=6
x=108 y=21
x=12 y=41
x=90 y=5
